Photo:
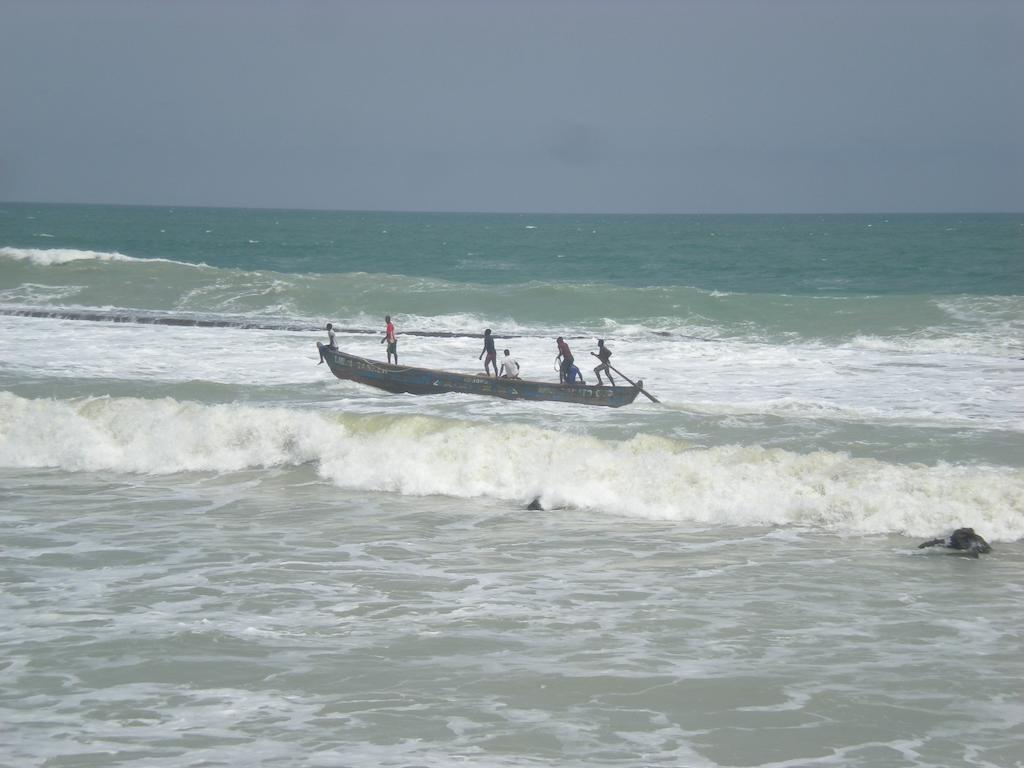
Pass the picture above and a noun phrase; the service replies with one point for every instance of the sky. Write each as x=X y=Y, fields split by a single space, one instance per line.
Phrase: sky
x=478 y=105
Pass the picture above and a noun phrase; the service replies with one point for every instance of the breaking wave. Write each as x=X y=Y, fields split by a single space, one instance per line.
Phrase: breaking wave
x=642 y=477
x=121 y=285
x=48 y=257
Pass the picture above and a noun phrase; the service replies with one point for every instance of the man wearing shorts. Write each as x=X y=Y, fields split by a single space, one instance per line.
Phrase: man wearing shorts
x=567 y=360
x=603 y=354
x=390 y=338
x=492 y=356
x=332 y=342
x=509 y=367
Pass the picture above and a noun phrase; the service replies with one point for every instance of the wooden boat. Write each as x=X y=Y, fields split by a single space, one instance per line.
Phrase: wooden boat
x=424 y=381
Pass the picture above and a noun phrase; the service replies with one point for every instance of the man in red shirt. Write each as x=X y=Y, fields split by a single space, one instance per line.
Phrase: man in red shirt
x=390 y=338
x=567 y=360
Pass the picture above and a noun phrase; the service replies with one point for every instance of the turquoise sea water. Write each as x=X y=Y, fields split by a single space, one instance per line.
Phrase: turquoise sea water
x=797 y=254
x=217 y=554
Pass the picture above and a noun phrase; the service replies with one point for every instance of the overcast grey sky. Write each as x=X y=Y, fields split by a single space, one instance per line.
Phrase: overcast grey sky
x=566 y=105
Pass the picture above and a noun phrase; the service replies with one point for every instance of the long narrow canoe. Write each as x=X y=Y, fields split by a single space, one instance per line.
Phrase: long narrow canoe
x=424 y=381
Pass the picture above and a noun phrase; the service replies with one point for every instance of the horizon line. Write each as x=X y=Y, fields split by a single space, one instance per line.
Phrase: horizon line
x=426 y=211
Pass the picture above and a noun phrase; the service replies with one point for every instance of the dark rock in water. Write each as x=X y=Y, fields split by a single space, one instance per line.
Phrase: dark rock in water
x=535 y=504
x=963 y=540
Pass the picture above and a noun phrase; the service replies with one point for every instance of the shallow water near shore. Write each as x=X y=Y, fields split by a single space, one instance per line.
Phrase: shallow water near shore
x=252 y=616
x=249 y=617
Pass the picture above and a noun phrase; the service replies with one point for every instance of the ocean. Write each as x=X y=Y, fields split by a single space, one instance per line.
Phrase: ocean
x=214 y=553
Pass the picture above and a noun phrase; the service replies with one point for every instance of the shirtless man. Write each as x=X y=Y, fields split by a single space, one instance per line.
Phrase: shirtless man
x=603 y=354
x=492 y=356
x=567 y=360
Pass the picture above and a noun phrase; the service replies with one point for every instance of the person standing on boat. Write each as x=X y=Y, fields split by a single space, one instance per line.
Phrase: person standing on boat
x=509 y=367
x=567 y=360
x=492 y=355
x=390 y=338
x=603 y=354
x=574 y=376
x=332 y=342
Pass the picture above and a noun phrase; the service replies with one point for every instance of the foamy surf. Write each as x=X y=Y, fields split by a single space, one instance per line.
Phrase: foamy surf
x=46 y=257
x=197 y=500
x=641 y=477
x=49 y=257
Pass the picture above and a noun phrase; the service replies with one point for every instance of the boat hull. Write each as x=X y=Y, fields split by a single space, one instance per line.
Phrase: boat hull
x=425 y=381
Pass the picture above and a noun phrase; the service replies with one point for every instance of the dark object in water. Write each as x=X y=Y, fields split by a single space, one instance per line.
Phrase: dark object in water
x=962 y=539
x=424 y=381
x=535 y=505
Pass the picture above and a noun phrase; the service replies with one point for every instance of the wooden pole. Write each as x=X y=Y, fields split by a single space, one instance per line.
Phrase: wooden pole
x=649 y=396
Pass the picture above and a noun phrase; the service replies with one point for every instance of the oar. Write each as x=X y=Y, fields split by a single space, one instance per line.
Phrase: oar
x=649 y=396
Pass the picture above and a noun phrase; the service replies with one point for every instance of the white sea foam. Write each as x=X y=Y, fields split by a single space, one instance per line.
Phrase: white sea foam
x=645 y=477
x=48 y=257
x=854 y=385
x=36 y=293
x=988 y=341
x=45 y=257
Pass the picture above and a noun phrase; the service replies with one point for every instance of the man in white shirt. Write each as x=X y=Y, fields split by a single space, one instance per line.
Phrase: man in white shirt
x=509 y=367
x=332 y=342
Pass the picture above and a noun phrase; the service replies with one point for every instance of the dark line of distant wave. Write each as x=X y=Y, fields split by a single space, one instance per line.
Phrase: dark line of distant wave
x=143 y=318
x=149 y=319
